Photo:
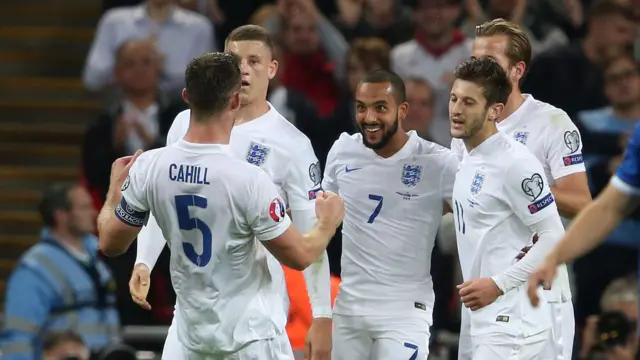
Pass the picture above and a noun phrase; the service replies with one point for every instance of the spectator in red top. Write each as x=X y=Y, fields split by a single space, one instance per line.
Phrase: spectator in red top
x=314 y=53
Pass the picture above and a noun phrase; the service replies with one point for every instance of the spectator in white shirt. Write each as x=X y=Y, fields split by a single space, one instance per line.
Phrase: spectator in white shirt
x=179 y=34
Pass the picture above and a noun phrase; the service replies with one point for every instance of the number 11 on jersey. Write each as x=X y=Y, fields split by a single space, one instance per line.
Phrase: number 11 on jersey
x=459 y=216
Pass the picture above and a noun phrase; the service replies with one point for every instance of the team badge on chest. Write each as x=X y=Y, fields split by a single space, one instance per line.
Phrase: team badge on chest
x=477 y=182
x=257 y=154
x=521 y=137
x=411 y=174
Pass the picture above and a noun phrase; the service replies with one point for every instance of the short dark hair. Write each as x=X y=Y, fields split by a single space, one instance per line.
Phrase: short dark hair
x=53 y=339
x=211 y=79
x=379 y=76
x=251 y=33
x=488 y=74
x=54 y=198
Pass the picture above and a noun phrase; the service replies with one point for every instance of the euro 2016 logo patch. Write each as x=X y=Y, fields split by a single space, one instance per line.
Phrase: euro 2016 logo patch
x=476 y=183
x=276 y=210
x=257 y=154
x=533 y=187
x=521 y=137
x=126 y=183
x=315 y=174
x=411 y=174
x=572 y=140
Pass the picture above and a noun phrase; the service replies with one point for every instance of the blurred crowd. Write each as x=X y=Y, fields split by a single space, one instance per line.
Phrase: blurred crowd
x=585 y=61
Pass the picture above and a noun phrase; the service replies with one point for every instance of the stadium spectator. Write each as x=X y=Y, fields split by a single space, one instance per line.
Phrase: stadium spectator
x=65 y=345
x=60 y=284
x=385 y=19
x=438 y=47
x=420 y=115
x=160 y=22
x=546 y=37
x=314 y=52
x=569 y=77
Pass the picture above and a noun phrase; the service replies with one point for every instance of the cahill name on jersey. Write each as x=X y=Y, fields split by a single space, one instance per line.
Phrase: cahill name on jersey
x=500 y=191
x=393 y=208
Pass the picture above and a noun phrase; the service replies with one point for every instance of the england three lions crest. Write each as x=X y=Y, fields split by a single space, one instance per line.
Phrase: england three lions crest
x=411 y=174
x=521 y=137
x=476 y=183
x=257 y=154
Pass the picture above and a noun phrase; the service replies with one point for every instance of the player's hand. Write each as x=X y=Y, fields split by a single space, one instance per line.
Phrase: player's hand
x=478 y=293
x=139 y=285
x=318 y=342
x=120 y=169
x=544 y=276
x=329 y=208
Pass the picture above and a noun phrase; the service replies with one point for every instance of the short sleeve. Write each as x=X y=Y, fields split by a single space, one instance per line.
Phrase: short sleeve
x=527 y=191
x=266 y=212
x=627 y=177
x=133 y=209
x=564 y=146
x=179 y=127
x=329 y=181
x=450 y=168
x=304 y=177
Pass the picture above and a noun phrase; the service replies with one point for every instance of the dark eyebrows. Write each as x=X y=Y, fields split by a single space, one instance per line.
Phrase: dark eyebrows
x=375 y=103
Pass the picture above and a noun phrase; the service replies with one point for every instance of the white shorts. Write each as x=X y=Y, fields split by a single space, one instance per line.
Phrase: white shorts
x=380 y=337
x=272 y=349
x=564 y=327
x=509 y=347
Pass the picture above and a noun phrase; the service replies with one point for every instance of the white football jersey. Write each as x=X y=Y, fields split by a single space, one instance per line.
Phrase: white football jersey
x=212 y=207
x=279 y=148
x=393 y=208
x=499 y=192
x=554 y=139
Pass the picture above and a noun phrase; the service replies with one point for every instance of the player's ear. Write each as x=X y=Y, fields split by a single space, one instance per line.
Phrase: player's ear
x=403 y=109
x=273 y=69
x=518 y=71
x=235 y=101
x=495 y=111
x=185 y=97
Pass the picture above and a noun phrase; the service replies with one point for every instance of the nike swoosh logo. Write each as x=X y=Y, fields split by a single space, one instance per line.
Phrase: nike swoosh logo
x=346 y=169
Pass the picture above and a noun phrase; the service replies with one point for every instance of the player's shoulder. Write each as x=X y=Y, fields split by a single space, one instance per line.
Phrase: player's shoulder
x=283 y=132
x=148 y=158
x=426 y=147
x=549 y=116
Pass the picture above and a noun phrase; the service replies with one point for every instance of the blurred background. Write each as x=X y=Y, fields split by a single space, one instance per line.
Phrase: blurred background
x=83 y=82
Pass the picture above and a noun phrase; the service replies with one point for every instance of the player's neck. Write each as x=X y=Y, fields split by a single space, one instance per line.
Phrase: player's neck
x=251 y=112
x=394 y=145
x=480 y=137
x=513 y=103
x=214 y=131
x=631 y=112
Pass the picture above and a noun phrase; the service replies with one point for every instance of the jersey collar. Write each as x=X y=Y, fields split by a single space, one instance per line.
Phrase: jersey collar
x=203 y=148
x=487 y=146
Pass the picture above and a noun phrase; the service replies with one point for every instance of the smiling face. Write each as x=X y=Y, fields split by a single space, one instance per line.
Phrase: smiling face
x=257 y=67
x=378 y=114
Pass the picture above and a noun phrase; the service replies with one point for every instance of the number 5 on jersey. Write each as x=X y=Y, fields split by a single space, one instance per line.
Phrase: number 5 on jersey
x=186 y=222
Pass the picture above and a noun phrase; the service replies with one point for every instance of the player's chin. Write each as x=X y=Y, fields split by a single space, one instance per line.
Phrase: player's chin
x=457 y=133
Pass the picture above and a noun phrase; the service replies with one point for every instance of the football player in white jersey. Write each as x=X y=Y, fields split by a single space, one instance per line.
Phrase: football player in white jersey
x=500 y=198
x=394 y=184
x=262 y=137
x=219 y=214
x=554 y=139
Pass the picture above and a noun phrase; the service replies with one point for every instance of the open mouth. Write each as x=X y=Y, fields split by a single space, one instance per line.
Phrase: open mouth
x=245 y=83
x=372 y=128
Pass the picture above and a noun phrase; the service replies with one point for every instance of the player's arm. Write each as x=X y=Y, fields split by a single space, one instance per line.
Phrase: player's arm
x=125 y=209
x=151 y=241
x=302 y=186
x=605 y=213
x=530 y=198
x=272 y=226
x=564 y=156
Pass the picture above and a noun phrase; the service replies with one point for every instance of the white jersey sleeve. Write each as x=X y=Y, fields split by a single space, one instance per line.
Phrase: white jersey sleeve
x=329 y=182
x=457 y=148
x=303 y=180
x=527 y=191
x=265 y=212
x=134 y=208
x=563 y=146
x=448 y=178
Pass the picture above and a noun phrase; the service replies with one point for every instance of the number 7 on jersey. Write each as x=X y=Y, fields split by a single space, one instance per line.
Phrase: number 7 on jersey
x=376 y=211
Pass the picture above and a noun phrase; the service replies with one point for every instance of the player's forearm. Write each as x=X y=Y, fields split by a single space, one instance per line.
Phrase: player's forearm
x=315 y=242
x=110 y=242
x=150 y=243
x=570 y=201
x=587 y=230
x=549 y=231
x=318 y=280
